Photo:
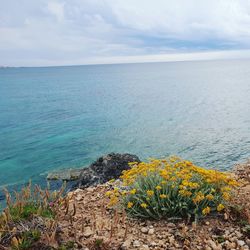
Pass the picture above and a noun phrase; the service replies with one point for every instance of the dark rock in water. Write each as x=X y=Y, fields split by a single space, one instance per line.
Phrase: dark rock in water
x=105 y=168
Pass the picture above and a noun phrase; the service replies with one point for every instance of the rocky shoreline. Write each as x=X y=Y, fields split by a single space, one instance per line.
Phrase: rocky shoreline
x=93 y=222
x=83 y=219
x=105 y=168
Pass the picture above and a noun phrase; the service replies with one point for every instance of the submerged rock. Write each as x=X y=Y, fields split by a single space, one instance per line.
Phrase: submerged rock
x=105 y=168
x=65 y=175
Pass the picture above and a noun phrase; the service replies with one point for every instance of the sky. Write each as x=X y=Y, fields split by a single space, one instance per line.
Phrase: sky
x=74 y=32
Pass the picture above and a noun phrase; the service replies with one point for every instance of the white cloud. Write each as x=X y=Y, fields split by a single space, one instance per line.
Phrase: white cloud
x=193 y=19
x=57 y=9
x=50 y=32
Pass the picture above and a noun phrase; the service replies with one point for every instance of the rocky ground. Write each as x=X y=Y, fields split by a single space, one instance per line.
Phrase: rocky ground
x=89 y=224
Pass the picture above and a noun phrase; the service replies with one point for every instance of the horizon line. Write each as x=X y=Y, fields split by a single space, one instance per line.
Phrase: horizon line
x=155 y=58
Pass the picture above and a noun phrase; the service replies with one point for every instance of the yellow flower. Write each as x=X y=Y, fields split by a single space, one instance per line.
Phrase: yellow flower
x=130 y=204
x=124 y=193
x=158 y=187
x=210 y=197
x=108 y=193
x=133 y=191
x=163 y=196
x=163 y=182
x=226 y=196
x=144 y=205
x=150 y=193
x=226 y=189
x=185 y=193
x=199 y=197
x=113 y=201
x=206 y=210
x=132 y=163
x=220 y=207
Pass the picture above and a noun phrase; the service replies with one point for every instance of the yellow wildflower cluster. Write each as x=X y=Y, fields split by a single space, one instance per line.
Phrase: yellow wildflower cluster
x=176 y=168
x=199 y=197
x=206 y=210
x=150 y=193
x=161 y=185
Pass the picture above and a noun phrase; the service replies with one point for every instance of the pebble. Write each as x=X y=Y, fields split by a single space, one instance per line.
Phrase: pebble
x=151 y=231
x=241 y=243
x=144 y=247
x=87 y=232
x=126 y=244
x=144 y=230
x=153 y=244
x=171 y=239
x=238 y=234
x=171 y=225
x=136 y=243
x=248 y=242
x=212 y=244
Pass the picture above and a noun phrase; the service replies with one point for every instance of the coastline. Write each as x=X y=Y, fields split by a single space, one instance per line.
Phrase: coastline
x=211 y=233
x=84 y=220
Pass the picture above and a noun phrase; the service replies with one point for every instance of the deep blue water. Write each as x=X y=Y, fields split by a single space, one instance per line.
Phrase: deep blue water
x=59 y=117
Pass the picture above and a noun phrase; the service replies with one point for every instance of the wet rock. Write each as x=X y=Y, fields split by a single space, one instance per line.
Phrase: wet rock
x=65 y=175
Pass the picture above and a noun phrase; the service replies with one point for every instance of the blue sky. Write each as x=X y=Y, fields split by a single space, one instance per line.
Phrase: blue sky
x=50 y=32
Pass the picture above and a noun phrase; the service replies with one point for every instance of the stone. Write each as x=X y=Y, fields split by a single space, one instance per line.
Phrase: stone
x=126 y=244
x=212 y=244
x=87 y=232
x=153 y=244
x=240 y=243
x=238 y=234
x=136 y=243
x=104 y=169
x=144 y=230
x=171 y=225
x=144 y=247
x=151 y=231
x=65 y=174
x=171 y=239
x=248 y=242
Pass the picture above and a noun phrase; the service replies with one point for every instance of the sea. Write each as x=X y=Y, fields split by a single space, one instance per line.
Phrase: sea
x=66 y=117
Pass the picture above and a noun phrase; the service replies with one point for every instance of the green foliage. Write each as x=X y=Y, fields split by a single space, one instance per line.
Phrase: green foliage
x=26 y=240
x=67 y=246
x=28 y=210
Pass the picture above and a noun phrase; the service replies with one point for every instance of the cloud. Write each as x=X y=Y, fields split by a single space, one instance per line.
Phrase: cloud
x=57 y=9
x=49 y=32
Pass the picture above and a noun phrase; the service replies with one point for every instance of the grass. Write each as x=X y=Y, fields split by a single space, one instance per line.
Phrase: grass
x=28 y=215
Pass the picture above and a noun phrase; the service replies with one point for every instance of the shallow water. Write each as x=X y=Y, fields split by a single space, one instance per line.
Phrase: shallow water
x=61 y=117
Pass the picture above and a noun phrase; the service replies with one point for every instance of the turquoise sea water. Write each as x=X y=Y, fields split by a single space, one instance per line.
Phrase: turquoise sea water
x=60 y=117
